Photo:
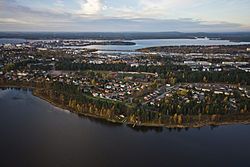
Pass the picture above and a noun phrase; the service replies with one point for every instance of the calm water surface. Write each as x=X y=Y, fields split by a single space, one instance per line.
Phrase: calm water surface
x=11 y=40
x=35 y=133
x=141 y=43
x=165 y=42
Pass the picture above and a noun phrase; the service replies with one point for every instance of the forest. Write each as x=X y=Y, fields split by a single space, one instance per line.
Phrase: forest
x=181 y=73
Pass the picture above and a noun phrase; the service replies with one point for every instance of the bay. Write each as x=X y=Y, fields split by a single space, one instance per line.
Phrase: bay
x=36 y=133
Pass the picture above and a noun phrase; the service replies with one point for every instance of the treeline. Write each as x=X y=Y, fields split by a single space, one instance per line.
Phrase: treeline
x=223 y=49
x=179 y=73
x=212 y=104
x=214 y=108
x=33 y=64
x=73 y=98
x=230 y=77
x=69 y=65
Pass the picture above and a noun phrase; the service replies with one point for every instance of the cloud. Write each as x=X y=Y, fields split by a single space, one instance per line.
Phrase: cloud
x=163 y=8
x=94 y=15
x=90 y=7
x=58 y=6
x=59 y=3
x=124 y=25
x=12 y=21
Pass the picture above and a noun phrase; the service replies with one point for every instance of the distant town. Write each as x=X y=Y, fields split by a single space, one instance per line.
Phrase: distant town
x=172 y=86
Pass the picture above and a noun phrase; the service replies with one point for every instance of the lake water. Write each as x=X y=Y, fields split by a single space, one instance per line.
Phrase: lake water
x=141 y=44
x=35 y=133
x=164 y=42
x=11 y=41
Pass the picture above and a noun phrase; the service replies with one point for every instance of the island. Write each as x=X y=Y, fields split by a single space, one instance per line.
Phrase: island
x=53 y=43
x=174 y=87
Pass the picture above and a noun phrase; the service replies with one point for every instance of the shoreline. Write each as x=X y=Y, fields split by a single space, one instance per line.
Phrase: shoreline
x=149 y=125
x=132 y=124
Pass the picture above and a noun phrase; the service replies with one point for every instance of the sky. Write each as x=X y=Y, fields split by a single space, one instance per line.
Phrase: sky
x=125 y=15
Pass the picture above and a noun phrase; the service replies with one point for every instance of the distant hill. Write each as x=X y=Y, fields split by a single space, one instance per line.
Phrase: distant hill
x=236 y=36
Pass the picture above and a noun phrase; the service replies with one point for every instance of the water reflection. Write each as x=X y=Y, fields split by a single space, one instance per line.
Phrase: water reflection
x=100 y=121
x=146 y=129
x=33 y=136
